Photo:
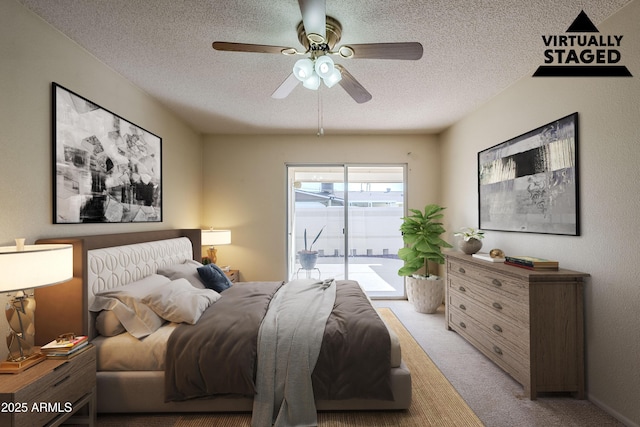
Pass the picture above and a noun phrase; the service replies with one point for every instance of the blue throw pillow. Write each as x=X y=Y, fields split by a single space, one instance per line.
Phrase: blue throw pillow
x=214 y=278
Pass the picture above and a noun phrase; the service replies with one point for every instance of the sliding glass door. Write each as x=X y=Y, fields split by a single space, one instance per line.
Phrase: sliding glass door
x=343 y=223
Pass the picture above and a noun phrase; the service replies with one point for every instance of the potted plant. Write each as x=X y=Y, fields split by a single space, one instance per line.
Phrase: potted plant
x=471 y=240
x=421 y=234
x=309 y=257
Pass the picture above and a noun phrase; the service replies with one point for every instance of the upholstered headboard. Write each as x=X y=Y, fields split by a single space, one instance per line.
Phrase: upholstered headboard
x=102 y=262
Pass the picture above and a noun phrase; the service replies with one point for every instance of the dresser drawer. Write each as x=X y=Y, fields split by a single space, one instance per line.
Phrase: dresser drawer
x=497 y=325
x=490 y=280
x=508 y=358
x=492 y=300
x=233 y=275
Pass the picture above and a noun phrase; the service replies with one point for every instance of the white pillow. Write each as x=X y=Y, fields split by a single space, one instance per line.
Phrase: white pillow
x=125 y=302
x=178 y=301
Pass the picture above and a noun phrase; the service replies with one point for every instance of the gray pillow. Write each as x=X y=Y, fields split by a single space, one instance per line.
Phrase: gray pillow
x=186 y=270
x=179 y=302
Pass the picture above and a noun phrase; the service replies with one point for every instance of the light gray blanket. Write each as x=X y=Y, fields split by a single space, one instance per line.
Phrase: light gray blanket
x=289 y=343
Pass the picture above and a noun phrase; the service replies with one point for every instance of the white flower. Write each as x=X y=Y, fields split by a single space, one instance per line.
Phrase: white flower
x=469 y=233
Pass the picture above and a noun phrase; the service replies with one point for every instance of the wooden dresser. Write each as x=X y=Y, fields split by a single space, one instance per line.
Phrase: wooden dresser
x=530 y=323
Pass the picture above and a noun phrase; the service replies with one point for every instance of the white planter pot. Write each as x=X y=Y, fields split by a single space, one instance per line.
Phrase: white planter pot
x=426 y=295
x=308 y=259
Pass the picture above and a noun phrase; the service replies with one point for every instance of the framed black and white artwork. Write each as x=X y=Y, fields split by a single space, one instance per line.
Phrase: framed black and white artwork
x=530 y=183
x=106 y=169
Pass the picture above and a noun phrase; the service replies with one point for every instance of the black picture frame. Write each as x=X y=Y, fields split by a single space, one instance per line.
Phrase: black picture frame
x=529 y=184
x=106 y=169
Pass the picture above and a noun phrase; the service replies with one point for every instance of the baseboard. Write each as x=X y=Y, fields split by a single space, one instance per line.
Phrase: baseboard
x=626 y=421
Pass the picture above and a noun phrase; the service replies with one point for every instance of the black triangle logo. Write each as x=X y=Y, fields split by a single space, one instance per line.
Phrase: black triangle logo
x=582 y=24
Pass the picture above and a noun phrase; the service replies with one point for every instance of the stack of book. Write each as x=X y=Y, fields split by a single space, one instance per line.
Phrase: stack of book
x=65 y=349
x=532 y=263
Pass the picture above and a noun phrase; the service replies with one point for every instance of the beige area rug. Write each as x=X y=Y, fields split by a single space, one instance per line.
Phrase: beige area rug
x=435 y=402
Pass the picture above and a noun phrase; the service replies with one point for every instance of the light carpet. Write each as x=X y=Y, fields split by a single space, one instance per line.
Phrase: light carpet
x=435 y=402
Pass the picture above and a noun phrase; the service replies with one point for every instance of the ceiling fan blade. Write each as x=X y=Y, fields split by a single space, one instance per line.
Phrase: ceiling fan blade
x=353 y=87
x=246 y=47
x=314 y=16
x=409 y=50
x=286 y=87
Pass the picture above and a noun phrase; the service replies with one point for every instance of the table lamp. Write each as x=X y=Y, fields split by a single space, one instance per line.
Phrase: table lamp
x=212 y=238
x=25 y=267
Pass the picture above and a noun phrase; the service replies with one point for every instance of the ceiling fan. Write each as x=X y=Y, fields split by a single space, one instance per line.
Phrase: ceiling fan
x=319 y=34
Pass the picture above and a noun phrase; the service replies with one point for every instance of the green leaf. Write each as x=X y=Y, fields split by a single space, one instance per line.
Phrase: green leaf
x=406 y=271
x=416 y=213
x=406 y=254
x=305 y=239
x=317 y=237
x=431 y=210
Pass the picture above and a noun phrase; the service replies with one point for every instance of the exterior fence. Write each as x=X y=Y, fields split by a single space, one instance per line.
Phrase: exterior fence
x=374 y=231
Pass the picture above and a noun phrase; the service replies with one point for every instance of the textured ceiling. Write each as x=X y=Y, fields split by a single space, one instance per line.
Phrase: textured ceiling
x=473 y=49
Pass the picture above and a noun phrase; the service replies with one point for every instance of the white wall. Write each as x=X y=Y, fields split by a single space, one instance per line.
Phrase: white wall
x=32 y=55
x=245 y=186
x=609 y=153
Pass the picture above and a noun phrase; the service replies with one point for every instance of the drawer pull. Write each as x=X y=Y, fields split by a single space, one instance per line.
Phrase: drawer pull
x=496 y=282
x=462 y=307
x=497 y=350
x=462 y=289
x=463 y=325
x=62 y=380
x=497 y=328
x=497 y=306
x=61 y=366
x=461 y=270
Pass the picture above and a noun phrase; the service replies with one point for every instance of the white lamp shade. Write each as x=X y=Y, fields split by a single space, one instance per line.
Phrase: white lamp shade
x=303 y=69
x=313 y=82
x=34 y=266
x=216 y=237
x=324 y=66
x=333 y=78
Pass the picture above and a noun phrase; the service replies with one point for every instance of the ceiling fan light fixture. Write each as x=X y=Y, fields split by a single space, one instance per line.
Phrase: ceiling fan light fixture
x=312 y=82
x=324 y=66
x=319 y=34
x=333 y=78
x=303 y=69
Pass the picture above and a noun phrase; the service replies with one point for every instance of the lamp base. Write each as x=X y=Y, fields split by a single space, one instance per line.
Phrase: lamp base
x=11 y=367
x=213 y=254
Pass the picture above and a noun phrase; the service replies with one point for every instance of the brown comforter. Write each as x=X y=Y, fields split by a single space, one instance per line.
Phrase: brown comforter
x=217 y=356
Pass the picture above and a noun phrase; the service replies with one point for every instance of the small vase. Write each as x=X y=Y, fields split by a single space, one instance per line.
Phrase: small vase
x=470 y=246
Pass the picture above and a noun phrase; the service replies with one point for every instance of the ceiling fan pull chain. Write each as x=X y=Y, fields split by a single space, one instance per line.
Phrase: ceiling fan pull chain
x=320 y=124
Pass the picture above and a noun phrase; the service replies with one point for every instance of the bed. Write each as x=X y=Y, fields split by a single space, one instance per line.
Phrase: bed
x=133 y=383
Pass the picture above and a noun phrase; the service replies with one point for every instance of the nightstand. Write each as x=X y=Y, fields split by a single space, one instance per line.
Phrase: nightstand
x=50 y=393
x=233 y=275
